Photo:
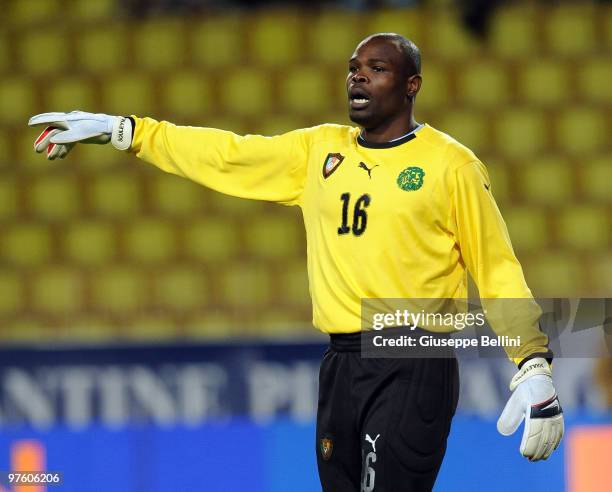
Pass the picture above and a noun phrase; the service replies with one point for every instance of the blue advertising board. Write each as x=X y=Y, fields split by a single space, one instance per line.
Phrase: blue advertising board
x=234 y=417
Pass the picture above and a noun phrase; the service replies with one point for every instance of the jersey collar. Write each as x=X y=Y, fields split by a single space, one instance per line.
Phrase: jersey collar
x=393 y=143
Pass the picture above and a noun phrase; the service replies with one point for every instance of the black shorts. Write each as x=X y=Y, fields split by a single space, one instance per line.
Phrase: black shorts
x=382 y=423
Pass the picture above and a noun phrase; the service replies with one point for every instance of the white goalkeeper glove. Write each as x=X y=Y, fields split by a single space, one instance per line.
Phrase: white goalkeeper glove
x=64 y=130
x=534 y=398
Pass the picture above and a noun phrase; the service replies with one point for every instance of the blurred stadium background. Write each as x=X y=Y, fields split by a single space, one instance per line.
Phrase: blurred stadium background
x=156 y=335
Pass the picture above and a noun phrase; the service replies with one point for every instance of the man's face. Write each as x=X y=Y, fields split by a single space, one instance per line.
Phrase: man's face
x=376 y=83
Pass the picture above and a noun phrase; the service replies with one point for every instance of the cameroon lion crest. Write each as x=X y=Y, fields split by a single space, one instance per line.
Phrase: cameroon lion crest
x=327 y=447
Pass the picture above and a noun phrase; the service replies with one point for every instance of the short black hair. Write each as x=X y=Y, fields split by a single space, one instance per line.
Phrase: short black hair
x=410 y=51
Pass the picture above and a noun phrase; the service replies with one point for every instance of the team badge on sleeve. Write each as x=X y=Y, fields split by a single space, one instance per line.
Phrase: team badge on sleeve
x=411 y=178
x=332 y=161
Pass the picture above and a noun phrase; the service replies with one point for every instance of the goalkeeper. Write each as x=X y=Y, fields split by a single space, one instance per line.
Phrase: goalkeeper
x=392 y=208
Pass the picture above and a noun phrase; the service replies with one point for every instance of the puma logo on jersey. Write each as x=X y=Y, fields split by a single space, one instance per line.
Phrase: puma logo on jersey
x=487 y=186
x=368 y=169
x=372 y=441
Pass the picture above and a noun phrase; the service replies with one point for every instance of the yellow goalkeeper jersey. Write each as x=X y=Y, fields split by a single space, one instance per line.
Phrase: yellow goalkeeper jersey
x=405 y=219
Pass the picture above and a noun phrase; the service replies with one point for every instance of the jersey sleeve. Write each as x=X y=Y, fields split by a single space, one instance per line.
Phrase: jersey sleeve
x=487 y=252
x=250 y=166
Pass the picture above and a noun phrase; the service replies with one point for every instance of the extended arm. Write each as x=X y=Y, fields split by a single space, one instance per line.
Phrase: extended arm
x=251 y=166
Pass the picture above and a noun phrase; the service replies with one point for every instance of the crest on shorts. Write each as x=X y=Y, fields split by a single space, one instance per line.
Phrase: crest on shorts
x=411 y=178
x=331 y=163
x=327 y=446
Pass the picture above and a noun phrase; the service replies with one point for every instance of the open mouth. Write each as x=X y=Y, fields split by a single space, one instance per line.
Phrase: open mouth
x=358 y=99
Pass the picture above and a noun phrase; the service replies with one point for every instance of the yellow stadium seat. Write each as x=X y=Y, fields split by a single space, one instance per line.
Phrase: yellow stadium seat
x=30 y=161
x=157 y=326
x=5 y=60
x=595 y=77
x=69 y=93
x=215 y=43
x=275 y=39
x=54 y=197
x=547 y=180
x=293 y=284
x=8 y=198
x=448 y=39
x=246 y=91
x=527 y=228
x=128 y=94
x=607 y=24
x=601 y=273
x=90 y=328
x=21 y=12
x=514 y=33
x=27 y=328
x=336 y=80
x=546 y=82
x=181 y=288
x=159 y=44
x=234 y=123
x=6 y=143
x=596 y=178
x=97 y=158
x=520 y=133
x=339 y=117
x=283 y=323
x=571 y=30
x=57 y=290
x=230 y=205
x=115 y=195
x=12 y=297
x=484 y=84
x=272 y=237
x=305 y=90
x=467 y=127
x=85 y=10
x=187 y=94
x=118 y=290
x=434 y=93
x=213 y=324
x=17 y=96
x=582 y=131
x=150 y=241
x=26 y=244
x=90 y=243
x=176 y=196
x=273 y=323
x=277 y=125
x=499 y=173
x=44 y=52
x=211 y=240
x=332 y=37
x=101 y=50
x=245 y=285
x=314 y=119
x=407 y=22
x=584 y=228
x=554 y=274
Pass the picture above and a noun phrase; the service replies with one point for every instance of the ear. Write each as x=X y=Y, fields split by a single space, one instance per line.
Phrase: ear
x=413 y=85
